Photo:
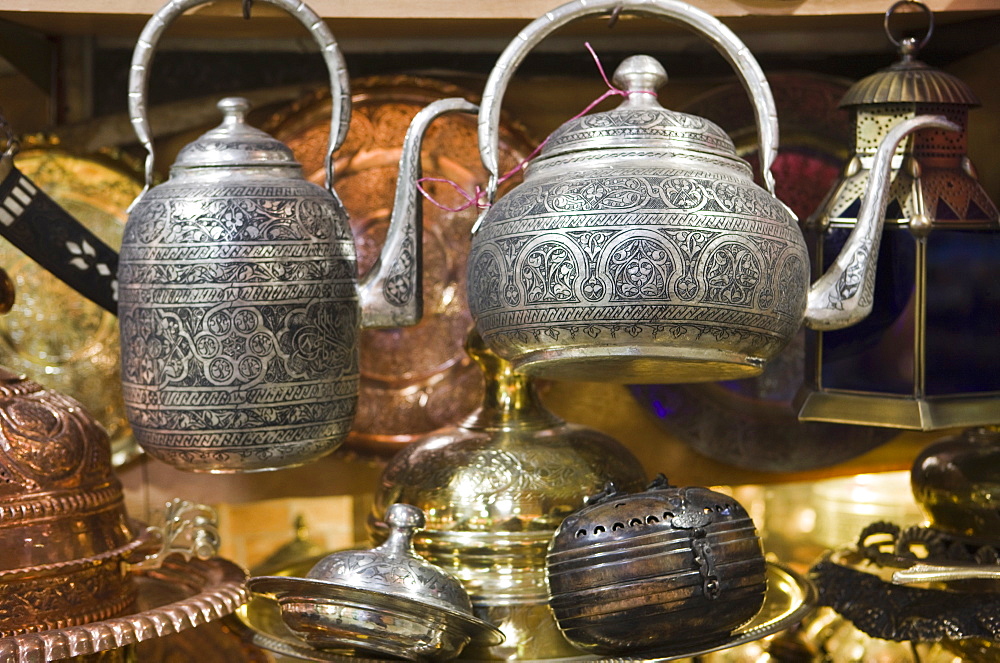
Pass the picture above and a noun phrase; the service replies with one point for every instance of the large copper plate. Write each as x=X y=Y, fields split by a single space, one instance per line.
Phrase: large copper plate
x=180 y=595
x=54 y=335
x=751 y=423
x=789 y=599
x=416 y=379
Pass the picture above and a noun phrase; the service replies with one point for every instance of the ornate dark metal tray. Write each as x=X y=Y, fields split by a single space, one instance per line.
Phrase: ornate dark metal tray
x=175 y=597
x=789 y=598
x=872 y=597
x=414 y=379
x=751 y=423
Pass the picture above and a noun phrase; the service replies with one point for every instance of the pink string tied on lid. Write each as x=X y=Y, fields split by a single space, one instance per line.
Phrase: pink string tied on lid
x=479 y=198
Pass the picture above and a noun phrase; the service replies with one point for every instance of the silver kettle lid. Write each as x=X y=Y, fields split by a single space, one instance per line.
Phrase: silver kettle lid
x=234 y=143
x=640 y=120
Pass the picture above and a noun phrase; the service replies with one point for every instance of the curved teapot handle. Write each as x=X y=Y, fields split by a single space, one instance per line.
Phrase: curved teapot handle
x=142 y=58
x=721 y=37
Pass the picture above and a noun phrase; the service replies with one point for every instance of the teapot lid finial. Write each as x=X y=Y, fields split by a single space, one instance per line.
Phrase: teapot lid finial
x=640 y=73
x=234 y=109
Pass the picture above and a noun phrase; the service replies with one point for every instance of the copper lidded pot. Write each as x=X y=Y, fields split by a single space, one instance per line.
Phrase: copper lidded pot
x=639 y=249
x=239 y=301
x=64 y=534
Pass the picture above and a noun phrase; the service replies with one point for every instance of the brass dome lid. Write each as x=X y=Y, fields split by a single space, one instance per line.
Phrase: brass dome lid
x=509 y=473
x=910 y=81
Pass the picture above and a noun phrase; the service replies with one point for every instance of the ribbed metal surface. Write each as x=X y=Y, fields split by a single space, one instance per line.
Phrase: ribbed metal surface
x=910 y=81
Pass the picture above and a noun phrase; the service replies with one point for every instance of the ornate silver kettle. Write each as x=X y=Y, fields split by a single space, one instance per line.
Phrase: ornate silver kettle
x=238 y=290
x=638 y=248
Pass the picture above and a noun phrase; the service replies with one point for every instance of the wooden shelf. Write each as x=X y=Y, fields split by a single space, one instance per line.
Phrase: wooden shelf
x=500 y=9
x=458 y=19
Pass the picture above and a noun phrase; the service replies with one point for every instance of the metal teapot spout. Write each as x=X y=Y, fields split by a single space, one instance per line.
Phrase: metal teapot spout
x=391 y=293
x=843 y=296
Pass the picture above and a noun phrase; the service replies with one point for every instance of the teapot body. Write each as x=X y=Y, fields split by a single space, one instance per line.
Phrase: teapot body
x=239 y=313
x=639 y=265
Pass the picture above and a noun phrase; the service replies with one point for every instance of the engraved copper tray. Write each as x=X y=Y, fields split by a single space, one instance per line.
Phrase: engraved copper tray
x=789 y=599
x=416 y=379
x=54 y=335
x=178 y=596
x=751 y=423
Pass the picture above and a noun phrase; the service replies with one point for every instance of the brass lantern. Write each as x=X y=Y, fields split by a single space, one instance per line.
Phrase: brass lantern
x=927 y=356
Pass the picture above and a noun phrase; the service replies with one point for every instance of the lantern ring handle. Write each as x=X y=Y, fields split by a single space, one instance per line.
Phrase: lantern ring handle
x=706 y=25
x=142 y=58
x=915 y=3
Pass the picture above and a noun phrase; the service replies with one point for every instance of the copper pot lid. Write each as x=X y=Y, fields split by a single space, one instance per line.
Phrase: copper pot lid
x=417 y=379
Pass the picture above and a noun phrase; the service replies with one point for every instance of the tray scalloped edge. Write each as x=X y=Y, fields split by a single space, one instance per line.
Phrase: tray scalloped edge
x=210 y=603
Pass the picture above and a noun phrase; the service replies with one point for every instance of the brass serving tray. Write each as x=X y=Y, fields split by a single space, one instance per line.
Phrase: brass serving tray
x=53 y=334
x=179 y=595
x=789 y=598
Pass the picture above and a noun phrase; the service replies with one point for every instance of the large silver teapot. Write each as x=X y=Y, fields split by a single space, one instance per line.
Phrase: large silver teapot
x=638 y=247
x=238 y=290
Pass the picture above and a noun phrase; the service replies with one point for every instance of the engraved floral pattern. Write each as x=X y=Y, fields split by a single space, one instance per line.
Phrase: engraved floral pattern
x=484 y=281
x=682 y=193
x=617 y=193
x=640 y=269
x=549 y=274
x=733 y=273
x=239 y=324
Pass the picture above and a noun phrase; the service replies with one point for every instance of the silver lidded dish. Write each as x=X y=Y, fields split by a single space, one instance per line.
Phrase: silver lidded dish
x=383 y=601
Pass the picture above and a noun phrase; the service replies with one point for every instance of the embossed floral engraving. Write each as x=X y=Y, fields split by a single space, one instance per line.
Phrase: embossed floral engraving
x=791 y=279
x=682 y=192
x=549 y=272
x=617 y=193
x=484 y=281
x=241 y=318
x=640 y=269
x=732 y=274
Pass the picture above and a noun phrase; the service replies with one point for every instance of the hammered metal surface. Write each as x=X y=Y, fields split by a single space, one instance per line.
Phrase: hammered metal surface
x=52 y=334
x=415 y=379
x=665 y=569
x=64 y=533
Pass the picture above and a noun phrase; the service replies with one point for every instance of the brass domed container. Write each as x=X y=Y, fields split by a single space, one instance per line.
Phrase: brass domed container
x=657 y=572
x=956 y=482
x=494 y=489
x=64 y=533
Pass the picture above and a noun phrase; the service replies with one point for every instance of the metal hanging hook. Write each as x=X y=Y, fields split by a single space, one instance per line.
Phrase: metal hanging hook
x=909 y=42
x=615 y=13
x=13 y=144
